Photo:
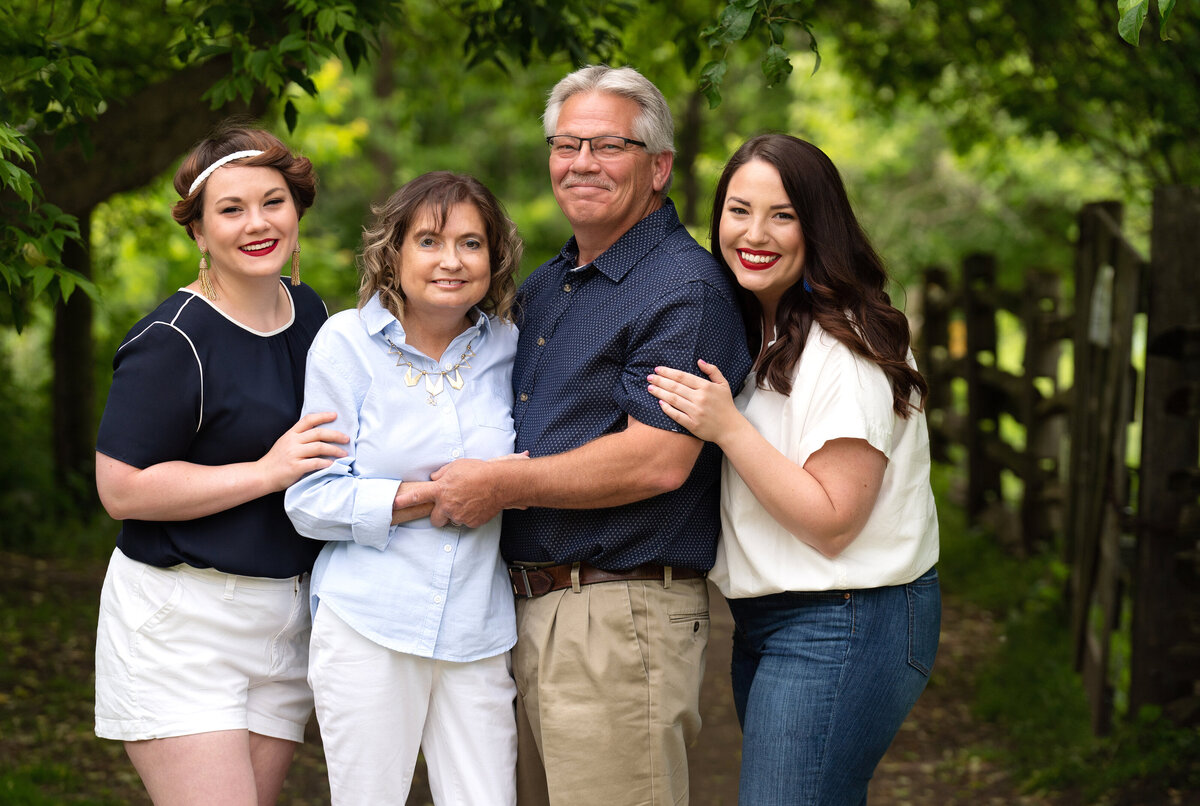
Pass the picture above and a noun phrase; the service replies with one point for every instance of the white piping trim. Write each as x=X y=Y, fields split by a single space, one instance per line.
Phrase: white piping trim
x=191 y=344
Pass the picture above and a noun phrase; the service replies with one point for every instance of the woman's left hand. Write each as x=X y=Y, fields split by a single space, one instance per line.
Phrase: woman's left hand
x=704 y=407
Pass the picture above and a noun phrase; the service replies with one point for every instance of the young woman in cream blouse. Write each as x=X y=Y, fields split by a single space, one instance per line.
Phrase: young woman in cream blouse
x=829 y=530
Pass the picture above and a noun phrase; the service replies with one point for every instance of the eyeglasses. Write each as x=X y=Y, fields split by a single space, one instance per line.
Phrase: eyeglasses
x=604 y=147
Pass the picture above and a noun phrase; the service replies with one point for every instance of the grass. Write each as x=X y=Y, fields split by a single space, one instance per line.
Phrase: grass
x=47 y=622
x=1031 y=688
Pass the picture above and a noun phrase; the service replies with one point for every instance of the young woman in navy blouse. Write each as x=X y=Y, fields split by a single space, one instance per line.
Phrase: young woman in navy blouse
x=202 y=647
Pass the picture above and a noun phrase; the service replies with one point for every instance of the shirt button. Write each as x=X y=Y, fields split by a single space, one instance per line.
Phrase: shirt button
x=456 y=453
x=447 y=548
x=567 y=287
x=541 y=342
x=524 y=397
x=437 y=599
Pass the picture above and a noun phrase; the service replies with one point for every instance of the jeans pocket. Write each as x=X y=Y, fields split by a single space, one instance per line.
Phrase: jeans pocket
x=924 y=620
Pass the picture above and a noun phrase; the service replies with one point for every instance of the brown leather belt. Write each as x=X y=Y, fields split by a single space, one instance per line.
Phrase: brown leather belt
x=530 y=581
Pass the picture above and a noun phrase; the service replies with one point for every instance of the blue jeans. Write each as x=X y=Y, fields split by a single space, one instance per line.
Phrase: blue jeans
x=822 y=682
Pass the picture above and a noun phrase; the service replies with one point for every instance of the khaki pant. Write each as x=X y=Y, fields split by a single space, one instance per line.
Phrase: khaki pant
x=608 y=681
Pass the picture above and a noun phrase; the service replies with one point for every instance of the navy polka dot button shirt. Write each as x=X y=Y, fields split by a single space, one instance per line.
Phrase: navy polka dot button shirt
x=588 y=340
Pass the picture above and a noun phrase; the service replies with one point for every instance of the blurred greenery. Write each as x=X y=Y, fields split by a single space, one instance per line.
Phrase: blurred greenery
x=924 y=200
x=950 y=142
x=1030 y=688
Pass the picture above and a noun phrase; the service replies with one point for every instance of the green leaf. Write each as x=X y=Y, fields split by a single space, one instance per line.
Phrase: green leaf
x=1133 y=15
x=326 y=20
x=293 y=41
x=710 y=81
x=290 y=115
x=22 y=183
x=355 y=47
x=40 y=95
x=1165 y=7
x=256 y=62
x=41 y=278
x=736 y=21
x=776 y=65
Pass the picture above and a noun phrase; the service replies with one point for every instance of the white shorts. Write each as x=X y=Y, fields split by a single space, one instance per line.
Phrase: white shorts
x=186 y=650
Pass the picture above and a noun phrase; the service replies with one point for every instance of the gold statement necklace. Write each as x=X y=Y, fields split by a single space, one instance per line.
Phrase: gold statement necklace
x=434 y=381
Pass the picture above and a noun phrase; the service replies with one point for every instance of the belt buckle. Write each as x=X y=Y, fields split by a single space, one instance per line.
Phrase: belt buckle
x=525 y=580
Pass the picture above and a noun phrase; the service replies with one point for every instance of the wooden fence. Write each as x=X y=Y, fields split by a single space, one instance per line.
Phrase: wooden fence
x=1129 y=529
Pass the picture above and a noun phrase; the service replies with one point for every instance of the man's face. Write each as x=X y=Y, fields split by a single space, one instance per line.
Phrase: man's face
x=605 y=196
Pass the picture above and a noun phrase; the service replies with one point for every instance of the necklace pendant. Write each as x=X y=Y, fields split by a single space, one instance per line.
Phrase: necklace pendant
x=434 y=387
x=457 y=381
x=410 y=378
x=431 y=400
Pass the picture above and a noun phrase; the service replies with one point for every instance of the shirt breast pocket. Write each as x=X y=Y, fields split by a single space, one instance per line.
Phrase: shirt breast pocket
x=492 y=410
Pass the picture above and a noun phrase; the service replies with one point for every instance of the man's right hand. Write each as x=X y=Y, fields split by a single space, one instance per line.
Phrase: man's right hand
x=467 y=492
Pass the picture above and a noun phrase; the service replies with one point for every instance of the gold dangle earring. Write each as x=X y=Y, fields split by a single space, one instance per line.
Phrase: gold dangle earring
x=205 y=280
x=296 y=265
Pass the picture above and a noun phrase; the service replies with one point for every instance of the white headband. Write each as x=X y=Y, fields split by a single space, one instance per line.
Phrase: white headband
x=237 y=155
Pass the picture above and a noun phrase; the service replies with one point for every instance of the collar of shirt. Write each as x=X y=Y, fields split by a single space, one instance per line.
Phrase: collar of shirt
x=640 y=239
x=376 y=318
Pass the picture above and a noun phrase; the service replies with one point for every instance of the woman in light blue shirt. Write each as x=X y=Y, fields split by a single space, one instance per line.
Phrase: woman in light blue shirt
x=413 y=623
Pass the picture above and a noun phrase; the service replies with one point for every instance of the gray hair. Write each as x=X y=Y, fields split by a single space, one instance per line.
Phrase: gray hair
x=653 y=125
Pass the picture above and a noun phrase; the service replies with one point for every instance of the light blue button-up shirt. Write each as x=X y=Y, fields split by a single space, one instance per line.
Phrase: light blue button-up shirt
x=436 y=593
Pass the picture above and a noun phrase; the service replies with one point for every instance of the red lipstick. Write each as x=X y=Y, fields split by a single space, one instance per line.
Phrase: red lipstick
x=246 y=250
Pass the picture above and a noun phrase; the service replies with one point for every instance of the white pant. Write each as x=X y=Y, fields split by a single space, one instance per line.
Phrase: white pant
x=377 y=707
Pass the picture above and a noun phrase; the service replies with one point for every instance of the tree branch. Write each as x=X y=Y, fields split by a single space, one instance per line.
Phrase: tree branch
x=137 y=138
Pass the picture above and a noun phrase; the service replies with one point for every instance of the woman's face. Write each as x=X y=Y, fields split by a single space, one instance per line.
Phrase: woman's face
x=445 y=272
x=760 y=235
x=249 y=224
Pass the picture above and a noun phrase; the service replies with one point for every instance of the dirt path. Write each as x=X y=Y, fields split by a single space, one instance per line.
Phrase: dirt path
x=934 y=761
x=47 y=629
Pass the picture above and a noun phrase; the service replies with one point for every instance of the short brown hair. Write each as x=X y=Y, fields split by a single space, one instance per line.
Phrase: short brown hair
x=230 y=137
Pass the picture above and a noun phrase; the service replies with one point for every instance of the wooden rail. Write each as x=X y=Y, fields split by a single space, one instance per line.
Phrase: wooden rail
x=1129 y=530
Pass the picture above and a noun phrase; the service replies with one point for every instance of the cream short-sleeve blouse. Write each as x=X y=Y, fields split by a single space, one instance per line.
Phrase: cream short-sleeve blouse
x=835 y=394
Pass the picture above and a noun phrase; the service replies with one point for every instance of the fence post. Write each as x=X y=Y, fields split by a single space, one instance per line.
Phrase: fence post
x=1086 y=452
x=983 y=407
x=1042 y=498
x=934 y=357
x=1109 y=276
x=1166 y=600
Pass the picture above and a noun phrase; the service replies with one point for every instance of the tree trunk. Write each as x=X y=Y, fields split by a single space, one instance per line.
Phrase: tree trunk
x=132 y=143
x=685 y=159
x=72 y=349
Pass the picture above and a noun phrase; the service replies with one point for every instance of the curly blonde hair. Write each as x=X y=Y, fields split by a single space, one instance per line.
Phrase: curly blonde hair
x=437 y=192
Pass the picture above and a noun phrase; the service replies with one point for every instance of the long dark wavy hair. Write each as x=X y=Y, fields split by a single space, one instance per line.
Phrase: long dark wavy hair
x=845 y=274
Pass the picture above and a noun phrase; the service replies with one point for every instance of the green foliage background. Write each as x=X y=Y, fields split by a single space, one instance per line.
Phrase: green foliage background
x=974 y=125
x=926 y=194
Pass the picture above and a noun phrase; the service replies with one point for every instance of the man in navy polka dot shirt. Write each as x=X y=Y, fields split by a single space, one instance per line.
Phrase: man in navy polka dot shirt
x=613 y=520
